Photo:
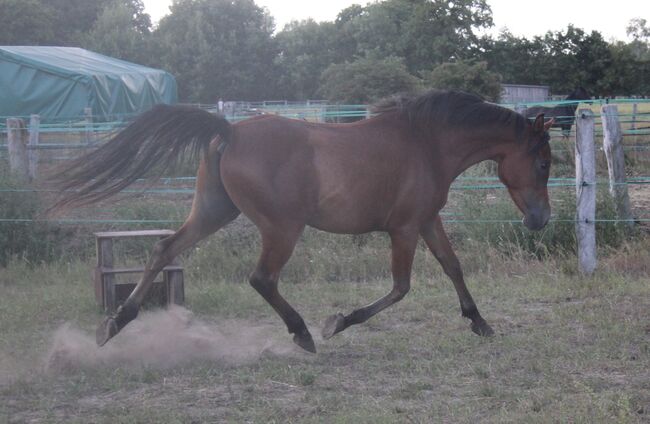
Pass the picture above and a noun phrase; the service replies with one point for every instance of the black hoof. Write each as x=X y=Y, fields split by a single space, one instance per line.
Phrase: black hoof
x=333 y=324
x=482 y=329
x=106 y=330
x=305 y=341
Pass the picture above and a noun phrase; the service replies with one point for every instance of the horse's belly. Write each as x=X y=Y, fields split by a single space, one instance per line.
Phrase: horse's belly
x=347 y=216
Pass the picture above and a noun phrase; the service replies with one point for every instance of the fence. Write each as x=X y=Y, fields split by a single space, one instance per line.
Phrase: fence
x=27 y=142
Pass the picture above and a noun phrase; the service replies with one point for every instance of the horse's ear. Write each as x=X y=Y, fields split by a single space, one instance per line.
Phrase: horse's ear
x=549 y=124
x=538 y=125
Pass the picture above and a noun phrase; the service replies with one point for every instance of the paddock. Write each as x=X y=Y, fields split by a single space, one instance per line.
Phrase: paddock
x=568 y=346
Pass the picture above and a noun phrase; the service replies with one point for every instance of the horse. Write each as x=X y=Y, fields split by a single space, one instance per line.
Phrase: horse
x=389 y=173
x=564 y=113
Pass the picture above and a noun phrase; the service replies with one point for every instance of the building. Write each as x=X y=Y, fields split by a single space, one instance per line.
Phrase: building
x=518 y=93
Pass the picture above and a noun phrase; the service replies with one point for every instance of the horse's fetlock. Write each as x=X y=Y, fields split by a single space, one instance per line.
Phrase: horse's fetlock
x=471 y=312
x=125 y=314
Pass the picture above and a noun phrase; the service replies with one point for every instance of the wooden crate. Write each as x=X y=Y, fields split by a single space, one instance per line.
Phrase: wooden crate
x=110 y=292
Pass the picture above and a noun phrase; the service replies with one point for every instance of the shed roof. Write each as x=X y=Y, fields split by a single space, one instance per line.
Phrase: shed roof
x=59 y=82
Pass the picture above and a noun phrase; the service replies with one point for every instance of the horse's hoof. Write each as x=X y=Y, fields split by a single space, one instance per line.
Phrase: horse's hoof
x=106 y=330
x=305 y=341
x=333 y=325
x=482 y=329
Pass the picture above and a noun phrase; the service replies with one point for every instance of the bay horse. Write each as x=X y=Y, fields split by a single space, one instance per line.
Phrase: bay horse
x=564 y=113
x=390 y=173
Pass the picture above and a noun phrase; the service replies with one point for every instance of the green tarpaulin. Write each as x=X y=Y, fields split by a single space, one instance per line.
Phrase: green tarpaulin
x=59 y=82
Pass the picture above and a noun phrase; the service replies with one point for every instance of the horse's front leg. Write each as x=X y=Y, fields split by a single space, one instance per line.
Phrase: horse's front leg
x=436 y=239
x=403 y=243
x=278 y=242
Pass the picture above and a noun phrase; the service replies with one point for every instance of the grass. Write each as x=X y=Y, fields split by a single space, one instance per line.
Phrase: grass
x=567 y=349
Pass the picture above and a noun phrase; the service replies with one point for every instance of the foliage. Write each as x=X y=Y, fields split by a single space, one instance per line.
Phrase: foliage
x=218 y=49
x=25 y=22
x=467 y=76
x=227 y=49
x=424 y=33
x=123 y=31
x=306 y=49
x=366 y=80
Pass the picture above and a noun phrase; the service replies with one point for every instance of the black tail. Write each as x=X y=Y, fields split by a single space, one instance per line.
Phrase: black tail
x=157 y=139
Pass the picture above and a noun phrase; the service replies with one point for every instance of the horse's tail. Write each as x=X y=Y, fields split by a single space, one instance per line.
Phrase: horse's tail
x=156 y=140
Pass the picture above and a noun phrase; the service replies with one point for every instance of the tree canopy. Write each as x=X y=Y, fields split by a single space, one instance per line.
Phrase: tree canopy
x=229 y=49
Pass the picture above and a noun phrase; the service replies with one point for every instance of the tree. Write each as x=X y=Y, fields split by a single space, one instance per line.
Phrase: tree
x=73 y=19
x=517 y=60
x=218 y=49
x=473 y=77
x=424 y=33
x=25 y=22
x=639 y=30
x=367 y=80
x=122 y=30
x=305 y=49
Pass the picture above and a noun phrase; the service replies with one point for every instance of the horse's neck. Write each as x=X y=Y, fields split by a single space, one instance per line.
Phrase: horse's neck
x=477 y=147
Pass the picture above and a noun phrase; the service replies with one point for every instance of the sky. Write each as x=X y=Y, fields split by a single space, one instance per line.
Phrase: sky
x=522 y=18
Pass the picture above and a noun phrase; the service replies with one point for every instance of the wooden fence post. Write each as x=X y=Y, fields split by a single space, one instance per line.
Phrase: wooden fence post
x=88 y=132
x=17 y=146
x=613 y=144
x=634 y=112
x=33 y=154
x=586 y=191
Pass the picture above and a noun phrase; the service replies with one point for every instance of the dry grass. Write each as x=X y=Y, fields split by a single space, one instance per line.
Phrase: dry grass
x=567 y=349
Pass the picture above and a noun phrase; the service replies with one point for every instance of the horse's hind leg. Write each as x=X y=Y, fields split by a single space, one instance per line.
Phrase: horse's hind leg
x=436 y=239
x=277 y=246
x=403 y=245
x=212 y=209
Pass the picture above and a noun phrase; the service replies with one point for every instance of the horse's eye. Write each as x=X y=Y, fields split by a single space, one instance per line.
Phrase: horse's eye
x=545 y=165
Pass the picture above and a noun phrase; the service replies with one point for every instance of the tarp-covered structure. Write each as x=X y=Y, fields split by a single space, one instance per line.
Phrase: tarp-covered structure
x=58 y=83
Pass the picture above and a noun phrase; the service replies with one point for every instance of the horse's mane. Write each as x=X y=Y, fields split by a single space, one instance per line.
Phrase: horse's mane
x=452 y=109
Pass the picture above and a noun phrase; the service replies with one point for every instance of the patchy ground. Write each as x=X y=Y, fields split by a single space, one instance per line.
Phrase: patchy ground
x=566 y=350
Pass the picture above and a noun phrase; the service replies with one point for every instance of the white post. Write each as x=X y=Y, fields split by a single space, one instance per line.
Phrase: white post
x=33 y=154
x=17 y=146
x=634 y=112
x=586 y=192
x=613 y=144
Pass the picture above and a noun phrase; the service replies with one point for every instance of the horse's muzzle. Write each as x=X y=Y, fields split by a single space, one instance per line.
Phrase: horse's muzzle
x=536 y=220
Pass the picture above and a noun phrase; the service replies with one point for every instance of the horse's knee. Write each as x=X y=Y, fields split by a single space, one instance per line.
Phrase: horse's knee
x=159 y=248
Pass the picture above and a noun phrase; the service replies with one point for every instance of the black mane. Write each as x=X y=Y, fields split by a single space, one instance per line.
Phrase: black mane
x=453 y=109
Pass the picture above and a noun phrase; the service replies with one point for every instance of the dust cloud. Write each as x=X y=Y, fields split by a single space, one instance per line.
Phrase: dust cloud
x=165 y=339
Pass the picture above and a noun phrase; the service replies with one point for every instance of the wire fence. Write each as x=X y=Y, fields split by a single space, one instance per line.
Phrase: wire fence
x=84 y=132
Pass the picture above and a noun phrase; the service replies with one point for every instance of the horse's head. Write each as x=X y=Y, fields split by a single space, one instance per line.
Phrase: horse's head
x=579 y=94
x=525 y=171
